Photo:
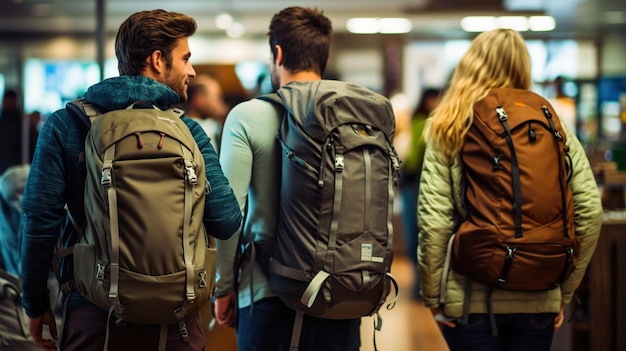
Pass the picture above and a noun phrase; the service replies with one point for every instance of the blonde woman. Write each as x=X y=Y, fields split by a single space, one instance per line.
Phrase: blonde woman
x=522 y=320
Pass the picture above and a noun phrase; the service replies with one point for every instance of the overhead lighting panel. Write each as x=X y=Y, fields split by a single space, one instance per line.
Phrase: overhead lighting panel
x=370 y=25
x=518 y=23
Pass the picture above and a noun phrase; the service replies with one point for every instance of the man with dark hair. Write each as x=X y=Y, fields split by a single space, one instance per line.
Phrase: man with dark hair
x=153 y=53
x=299 y=40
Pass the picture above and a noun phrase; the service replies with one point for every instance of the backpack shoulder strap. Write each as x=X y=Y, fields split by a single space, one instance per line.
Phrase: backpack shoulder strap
x=272 y=97
x=83 y=110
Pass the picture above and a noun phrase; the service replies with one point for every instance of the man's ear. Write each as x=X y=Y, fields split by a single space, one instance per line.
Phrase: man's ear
x=279 y=56
x=155 y=61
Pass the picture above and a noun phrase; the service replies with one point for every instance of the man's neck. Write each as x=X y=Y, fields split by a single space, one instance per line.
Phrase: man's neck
x=302 y=76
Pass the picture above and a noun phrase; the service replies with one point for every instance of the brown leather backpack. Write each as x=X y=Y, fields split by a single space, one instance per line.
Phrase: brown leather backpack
x=519 y=233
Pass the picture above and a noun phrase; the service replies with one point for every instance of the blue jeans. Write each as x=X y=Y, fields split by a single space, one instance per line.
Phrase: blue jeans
x=516 y=332
x=269 y=326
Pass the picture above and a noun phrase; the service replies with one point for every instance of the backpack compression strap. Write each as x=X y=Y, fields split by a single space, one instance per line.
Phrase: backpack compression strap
x=517 y=195
x=106 y=182
x=557 y=139
x=190 y=180
x=517 y=187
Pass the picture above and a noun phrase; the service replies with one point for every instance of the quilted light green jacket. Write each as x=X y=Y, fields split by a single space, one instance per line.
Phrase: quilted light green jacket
x=440 y=209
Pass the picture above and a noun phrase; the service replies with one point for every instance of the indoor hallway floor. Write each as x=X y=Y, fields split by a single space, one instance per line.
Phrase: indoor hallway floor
x=409 y=326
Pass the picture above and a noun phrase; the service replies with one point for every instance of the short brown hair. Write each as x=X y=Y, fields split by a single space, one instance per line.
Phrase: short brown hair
x=147 y=31
x=304 y=34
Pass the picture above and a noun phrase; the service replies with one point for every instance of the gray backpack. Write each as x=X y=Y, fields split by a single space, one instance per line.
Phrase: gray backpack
x=333 y=252
x=14 y=334
x=143 y=254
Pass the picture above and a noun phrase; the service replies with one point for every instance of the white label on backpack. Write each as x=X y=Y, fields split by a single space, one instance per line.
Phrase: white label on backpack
x=366 y=252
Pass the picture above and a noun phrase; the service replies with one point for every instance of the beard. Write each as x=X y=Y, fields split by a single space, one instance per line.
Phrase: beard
x=177 y=84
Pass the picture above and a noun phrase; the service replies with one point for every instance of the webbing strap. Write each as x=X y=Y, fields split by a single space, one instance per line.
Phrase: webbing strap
x=508 y=262
x=390 y=193
x=517 y=186
x=296 y=274
x=297 y=330
x=394 y=282
x=559 y=138
x=107 y=331
x=109 y=185
x=446 y=269
x=56 y=269
x=187 y=249
x=334 y=224
x=163 y=337
x=314 y=288
x=368 y=189
x=569 y=257
x=378 y=325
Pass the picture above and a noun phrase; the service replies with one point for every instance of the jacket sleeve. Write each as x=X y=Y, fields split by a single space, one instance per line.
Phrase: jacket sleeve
x=587 y=212
x=222 y=217
x=43 y=202
x=436 y=217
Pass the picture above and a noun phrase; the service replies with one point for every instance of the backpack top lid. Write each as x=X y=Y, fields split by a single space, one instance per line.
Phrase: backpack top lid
x=325 y=104
x=512 y=100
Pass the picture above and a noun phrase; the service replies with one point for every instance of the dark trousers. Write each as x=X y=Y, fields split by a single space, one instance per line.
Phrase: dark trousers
x=85 y=330
x=269 y=326
x=516 y=332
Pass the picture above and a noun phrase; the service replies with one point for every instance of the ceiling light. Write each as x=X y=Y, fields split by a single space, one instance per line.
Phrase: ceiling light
x=518 y=23
x=478 y=23
x=223 y=21
x=362 y=25
x=379 y=25
x=541 y=23
x=235 y=31
x=394 y=25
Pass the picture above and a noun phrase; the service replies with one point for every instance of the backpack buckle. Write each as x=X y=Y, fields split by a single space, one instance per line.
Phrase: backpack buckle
x=100 y=271
x=105 y=178
x=191 y=173
x=501 y=114
x=202 y=282
x=510 y=252
x=339 y=163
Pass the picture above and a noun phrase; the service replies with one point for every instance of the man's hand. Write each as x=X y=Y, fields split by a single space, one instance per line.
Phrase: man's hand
x=226 y=309
x=36 y=326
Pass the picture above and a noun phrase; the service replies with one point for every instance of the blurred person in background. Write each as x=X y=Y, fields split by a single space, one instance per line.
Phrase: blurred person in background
x=10 y=131
x=411 y=168
x=205 y=105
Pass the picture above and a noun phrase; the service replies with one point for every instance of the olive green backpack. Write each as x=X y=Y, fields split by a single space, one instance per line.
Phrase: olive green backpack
x=143 y=255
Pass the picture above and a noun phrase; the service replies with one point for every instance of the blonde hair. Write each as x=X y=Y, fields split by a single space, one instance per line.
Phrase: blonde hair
x=495 y=59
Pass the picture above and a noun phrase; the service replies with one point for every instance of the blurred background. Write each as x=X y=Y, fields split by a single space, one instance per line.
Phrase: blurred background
x=51 y=51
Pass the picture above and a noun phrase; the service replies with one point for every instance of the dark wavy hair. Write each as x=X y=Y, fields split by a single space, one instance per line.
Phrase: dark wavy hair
x=147 y=31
